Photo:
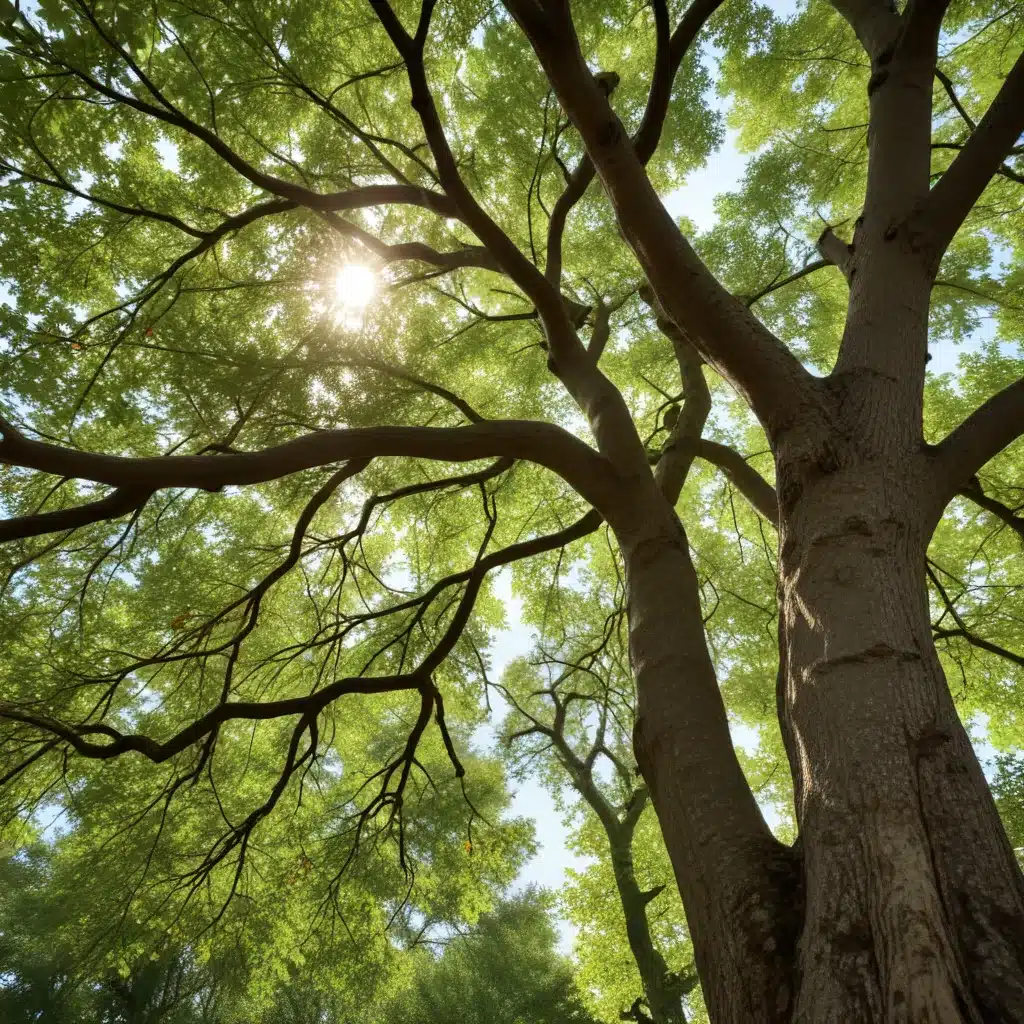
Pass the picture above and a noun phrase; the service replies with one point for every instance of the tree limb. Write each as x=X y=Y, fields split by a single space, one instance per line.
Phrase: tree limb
x=835 y=251
x=1006 y=515
x=543 y=443
x=875 y=22
x=775 y=286
x=720 y=326
x=669 y=55
x=116 y=504
x=980 y=437
x=981 y=157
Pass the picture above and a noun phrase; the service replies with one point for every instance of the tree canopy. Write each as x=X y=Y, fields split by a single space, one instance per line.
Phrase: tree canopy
x=317 y=315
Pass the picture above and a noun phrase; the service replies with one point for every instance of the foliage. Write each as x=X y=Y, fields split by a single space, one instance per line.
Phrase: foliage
x=243 y=667
x=506 y=970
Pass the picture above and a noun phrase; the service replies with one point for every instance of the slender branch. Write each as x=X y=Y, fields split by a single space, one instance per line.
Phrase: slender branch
x=158 y=752
x=947 y=84
x=1006 y=515
x=962 y=629
x=678 y=453
x=980 y=642
x=110 y=204
x=546 y=298
x=742 y=475
x=168 y=113
x=775 y=286
x=600 y=400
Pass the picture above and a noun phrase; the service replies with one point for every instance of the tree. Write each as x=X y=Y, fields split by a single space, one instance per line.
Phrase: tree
x=572 y=719
x=172 y=366
x=506 y=970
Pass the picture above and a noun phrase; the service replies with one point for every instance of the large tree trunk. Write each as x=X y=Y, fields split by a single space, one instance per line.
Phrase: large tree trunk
x=914 y=905
x=904 y=901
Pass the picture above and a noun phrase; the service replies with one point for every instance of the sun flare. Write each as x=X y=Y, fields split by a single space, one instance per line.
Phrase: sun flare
x=355 y=287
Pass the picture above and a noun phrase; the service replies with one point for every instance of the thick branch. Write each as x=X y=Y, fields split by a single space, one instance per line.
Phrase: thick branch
x=720 y=326
x=956 y=192
x=543 y=443
x=983 y=435
x=835 y=251
x=669 y=56
x=116 y=504
x=875 y=21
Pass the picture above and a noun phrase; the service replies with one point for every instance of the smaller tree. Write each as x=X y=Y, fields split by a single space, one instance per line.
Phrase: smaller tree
x=42 y=979
x=572 y=715
x=507 y=970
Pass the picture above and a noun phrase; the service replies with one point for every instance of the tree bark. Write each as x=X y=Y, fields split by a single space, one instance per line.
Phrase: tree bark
x=904 y=901
x=740 y=886
x=662 y=989
x=914 y=904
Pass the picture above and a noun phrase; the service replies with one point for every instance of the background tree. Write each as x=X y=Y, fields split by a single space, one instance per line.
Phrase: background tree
x=221 y=534
x=504 y=969
x=507 y=969
x=571 y=721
